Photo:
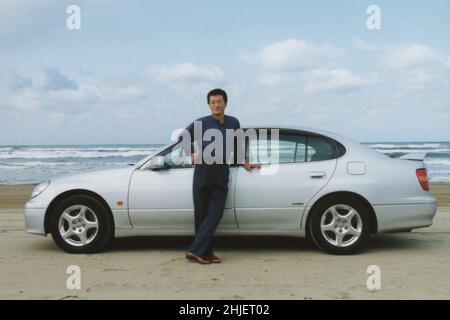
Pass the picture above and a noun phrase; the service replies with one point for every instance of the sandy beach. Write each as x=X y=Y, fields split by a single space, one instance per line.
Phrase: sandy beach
x=413 y=265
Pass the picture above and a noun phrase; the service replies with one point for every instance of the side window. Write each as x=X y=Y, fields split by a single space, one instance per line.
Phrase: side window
x=319 y=149
x=175 y=158
x=289 y=149
x=286 y=150
x=301 y=150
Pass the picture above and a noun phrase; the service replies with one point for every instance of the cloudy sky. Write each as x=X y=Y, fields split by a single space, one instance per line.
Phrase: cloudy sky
x=137 y=70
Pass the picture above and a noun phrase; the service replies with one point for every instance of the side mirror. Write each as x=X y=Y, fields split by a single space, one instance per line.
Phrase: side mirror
x=156 y=163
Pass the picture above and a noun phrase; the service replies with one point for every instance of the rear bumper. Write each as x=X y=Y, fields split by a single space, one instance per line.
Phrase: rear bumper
x=34 y=220
x=401 y=217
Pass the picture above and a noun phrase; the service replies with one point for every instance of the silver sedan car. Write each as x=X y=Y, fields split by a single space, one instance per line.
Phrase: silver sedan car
x=330 y=189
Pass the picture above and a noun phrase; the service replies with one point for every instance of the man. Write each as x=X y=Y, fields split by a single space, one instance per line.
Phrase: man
x=210 y=181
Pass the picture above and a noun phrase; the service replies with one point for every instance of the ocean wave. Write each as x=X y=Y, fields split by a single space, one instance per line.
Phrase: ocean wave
x=74 y=153
x=54 y=165
x=405 y=151
x=36 y=164
x=437 y=162
x=18 y=181
x=28 y=164
x=410 y=146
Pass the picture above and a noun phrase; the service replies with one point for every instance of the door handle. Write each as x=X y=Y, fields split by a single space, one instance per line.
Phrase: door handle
x=317 y=175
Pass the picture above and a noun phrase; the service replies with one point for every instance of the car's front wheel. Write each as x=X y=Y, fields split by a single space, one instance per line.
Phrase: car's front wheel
x=81 y=224
x=340 y=225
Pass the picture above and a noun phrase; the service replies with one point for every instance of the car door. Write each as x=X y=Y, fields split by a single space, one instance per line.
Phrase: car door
x=275 y=196
x=162 y=199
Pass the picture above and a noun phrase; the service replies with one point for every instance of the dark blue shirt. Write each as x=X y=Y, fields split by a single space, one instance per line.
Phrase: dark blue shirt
x=209 y=122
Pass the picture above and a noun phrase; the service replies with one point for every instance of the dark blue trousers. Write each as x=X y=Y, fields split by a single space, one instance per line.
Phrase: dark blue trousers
x=210 y=189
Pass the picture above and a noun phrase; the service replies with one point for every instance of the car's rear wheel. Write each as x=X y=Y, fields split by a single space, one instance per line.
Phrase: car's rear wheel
x=340 y=225
x=81 y=224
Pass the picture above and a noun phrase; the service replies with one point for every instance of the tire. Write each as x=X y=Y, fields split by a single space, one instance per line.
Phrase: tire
x=75 y=232
x=334 y=231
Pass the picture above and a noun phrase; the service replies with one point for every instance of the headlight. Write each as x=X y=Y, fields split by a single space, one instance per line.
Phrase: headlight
x=39 y=188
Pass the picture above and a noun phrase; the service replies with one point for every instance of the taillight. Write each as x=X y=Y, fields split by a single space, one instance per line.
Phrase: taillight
x=423 y=179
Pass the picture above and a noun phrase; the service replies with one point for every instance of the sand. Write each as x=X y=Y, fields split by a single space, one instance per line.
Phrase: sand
x=413 y=265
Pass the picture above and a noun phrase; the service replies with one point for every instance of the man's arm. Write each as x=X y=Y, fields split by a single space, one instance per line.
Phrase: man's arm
x=187 y=142
x=238 y=149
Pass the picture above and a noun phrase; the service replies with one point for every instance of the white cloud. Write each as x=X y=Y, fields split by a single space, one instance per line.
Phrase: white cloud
x=65 y=100
x=185 y=71
x=56 y=80
x=120 y=95
x=413 y=66
x=19 y=82
x=271 y=79
x=420 y=78
x=447 y=61
x=86 y=97
x=292 y=53
x=321 y=80
x=402 y=56
x=410 y=55
x=362 y=45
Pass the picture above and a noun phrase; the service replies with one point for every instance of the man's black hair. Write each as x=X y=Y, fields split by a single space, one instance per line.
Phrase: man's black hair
x=217 y=92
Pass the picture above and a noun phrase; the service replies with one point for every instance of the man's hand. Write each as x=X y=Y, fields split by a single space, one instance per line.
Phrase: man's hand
x=251 y=166
x=194 y=156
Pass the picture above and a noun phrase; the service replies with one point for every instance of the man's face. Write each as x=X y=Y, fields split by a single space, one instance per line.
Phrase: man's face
x=217 y=104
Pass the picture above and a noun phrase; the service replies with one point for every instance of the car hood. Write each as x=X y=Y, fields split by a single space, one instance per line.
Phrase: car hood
x=93 y=174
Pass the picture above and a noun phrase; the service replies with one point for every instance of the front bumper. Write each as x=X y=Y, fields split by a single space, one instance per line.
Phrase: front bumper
x=34 y=219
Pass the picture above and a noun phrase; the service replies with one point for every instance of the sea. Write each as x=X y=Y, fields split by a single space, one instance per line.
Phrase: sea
x=22 y=164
